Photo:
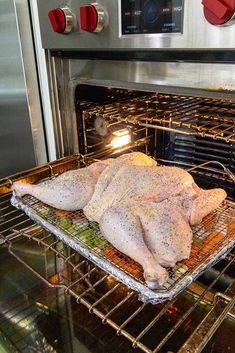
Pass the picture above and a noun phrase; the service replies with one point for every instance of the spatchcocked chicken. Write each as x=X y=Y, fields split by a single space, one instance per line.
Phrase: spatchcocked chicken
x=144 y=210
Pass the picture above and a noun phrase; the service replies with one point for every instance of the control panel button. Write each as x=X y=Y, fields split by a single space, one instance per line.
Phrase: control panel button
x=62 y=20
x=92 y=18
x=219 y=12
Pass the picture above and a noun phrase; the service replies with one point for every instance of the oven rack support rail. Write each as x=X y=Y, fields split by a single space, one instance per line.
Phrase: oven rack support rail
x=76 y=282
x=192 y=116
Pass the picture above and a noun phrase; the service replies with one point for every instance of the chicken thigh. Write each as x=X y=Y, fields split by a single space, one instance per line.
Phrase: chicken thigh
x=69 y=191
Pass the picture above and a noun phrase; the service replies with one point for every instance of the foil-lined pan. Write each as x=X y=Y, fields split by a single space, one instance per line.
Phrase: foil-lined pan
x=212 y=240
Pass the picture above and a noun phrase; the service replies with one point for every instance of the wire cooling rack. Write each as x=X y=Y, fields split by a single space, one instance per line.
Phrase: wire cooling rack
x=212 y=239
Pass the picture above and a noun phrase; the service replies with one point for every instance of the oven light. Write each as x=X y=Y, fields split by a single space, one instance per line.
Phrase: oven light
x=121 y=138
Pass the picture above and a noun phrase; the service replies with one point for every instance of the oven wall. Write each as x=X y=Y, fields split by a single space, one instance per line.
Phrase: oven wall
x=200 y=61
x=200 y=79
x=196 y=79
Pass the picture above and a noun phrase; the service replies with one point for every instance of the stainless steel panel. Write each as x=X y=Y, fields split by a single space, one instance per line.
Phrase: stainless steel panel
x=188 y=78
x=197 y=32
x=18 y=135
x=31 y=79
x=43 y=78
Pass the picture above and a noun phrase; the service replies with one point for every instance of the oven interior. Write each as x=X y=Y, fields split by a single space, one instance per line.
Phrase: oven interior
x=186 y=130
x=183 y=130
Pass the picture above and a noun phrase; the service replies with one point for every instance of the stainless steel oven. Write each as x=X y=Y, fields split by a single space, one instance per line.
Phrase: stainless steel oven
x=159 y=77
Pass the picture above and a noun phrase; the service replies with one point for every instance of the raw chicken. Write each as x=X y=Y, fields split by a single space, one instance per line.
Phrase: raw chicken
x=197 y=203
x=115 y=182
x=69 y=191
x=144 y=210
x=136 y=183
x=151 y=233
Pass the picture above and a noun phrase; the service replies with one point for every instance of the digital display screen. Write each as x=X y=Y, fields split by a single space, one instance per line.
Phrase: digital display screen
x=151 y=16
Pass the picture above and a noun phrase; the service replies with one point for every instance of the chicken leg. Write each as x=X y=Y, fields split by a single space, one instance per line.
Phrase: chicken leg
x=124 y=230
x=69 y=191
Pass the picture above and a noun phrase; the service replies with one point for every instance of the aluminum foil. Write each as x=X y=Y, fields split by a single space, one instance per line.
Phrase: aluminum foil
x=145 y=294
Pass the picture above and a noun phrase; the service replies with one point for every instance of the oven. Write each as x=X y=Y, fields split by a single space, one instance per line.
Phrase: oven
x=123 y=76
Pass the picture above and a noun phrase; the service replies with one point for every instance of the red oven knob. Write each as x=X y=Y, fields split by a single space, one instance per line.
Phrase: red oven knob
x=93 y=18
x=62 y=20
x=219 y=12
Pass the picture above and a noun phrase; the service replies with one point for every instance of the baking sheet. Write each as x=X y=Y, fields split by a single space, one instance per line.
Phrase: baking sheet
x=212 y=240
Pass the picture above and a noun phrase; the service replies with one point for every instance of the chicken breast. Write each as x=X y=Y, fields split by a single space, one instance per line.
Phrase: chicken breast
x=72 y=190
x=136 y=182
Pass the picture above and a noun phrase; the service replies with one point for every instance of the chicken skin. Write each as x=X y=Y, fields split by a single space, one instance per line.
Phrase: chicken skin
x=151 y=233
x=144 y=210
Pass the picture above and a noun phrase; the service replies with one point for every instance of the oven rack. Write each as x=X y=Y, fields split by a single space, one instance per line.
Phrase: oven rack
x=193 y=116
x=14 y=223
x=118 y=306
x=212 y=240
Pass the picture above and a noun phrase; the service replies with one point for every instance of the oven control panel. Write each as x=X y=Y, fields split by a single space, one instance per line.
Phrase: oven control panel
x=137 y=24
x=150 y=16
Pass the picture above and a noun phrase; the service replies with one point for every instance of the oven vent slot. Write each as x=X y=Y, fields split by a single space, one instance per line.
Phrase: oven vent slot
x=198 y=150
x=191 y=116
